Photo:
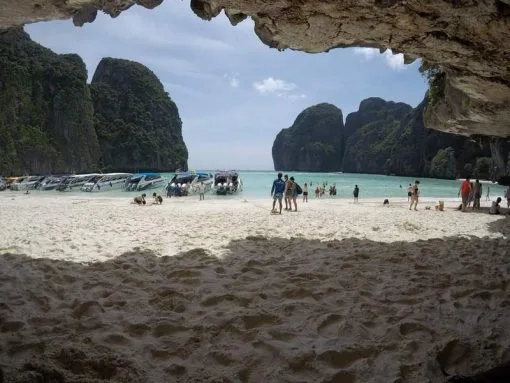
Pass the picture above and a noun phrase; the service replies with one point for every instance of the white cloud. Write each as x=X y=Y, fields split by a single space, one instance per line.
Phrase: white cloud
x=233 y=80
x=395 y=62
x=273 y=85
x=367 y=53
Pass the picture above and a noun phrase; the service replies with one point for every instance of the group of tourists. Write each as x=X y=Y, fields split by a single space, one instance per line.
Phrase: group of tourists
x=156 y=199
x=287 y=189
x=471 y=193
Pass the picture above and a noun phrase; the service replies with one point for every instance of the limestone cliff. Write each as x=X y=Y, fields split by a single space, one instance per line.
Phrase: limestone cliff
x=391 y=138
x=470 y=40
x=383 y=137
x=137 y=123
x=49 y=123
x=313 y=143
x=46 y=115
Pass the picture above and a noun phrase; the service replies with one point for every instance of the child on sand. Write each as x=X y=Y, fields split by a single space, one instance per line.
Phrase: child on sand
x=140 y=200
x=158 y=200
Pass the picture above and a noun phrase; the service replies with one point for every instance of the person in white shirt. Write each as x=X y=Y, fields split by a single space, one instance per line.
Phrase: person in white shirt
x=495 y=207
x=305 y=193
x=201 y=191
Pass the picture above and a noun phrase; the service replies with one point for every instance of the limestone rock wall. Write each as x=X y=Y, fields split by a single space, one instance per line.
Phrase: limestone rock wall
x=469 y=39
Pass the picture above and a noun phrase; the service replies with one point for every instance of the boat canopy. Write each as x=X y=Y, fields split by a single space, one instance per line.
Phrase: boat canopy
x=226 y=173
x=184 y=177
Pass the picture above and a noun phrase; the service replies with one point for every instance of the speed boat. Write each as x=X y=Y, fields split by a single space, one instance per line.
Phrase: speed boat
x=143 y=181
x=75 y=182
x=26 y=183
x=187 y=183
x=227 y=182
x=106 y=182
x=50 y=183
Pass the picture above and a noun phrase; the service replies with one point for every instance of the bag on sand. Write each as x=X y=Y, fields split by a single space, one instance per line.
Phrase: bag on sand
x=298 y=189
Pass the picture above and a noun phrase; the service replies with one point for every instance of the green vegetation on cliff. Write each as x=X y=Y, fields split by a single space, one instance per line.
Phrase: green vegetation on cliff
x=408 y=148
x=137 y=123
x=49 y=123
x=374 y=139
x=443 y=164
x=385 y=137
x=313 y=143
x=46 y=115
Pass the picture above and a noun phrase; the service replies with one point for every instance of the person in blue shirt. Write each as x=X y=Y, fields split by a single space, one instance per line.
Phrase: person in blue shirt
x=277 y=192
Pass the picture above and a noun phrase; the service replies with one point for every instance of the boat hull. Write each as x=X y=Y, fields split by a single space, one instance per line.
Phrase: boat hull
x=102 y=186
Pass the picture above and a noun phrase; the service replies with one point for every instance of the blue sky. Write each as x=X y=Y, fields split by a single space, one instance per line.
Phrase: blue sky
x=234 y=94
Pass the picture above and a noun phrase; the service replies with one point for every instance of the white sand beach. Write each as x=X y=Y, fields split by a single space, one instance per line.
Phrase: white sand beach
x=222 y=291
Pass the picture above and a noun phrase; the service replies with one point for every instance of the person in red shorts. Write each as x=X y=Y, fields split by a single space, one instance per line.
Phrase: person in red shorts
x=464 y=191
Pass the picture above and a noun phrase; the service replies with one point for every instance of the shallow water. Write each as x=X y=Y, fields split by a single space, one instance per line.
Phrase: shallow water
x=257 y=184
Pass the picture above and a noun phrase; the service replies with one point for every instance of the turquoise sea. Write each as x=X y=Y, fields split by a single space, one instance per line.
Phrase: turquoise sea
x=257 y=184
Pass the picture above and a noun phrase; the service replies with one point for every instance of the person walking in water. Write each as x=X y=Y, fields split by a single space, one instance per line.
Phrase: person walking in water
x=305 y=193
x=277 y=192
x=415 y=195
x=356 y=193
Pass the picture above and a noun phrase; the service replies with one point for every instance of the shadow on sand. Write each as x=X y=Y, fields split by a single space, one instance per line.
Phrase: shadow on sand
x=273 y=310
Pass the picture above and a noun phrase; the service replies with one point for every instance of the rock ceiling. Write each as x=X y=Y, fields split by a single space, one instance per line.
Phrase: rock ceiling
x=470 y=40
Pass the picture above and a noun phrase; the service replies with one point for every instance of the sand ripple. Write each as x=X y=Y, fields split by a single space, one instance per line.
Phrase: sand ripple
x=273 y=310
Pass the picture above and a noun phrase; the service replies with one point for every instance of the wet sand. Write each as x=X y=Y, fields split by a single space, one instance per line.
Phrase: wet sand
x=96 y=289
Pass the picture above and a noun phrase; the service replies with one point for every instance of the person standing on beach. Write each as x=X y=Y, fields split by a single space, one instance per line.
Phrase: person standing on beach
x=487 y=197
x=409 y=192
x=415 y=195
x=286 y=178
x=289 y=191
x=293 y=194
x=305 y=193
x=465 y=189
x=277 y=192
x=356 y=193
x=507 y=196
x=478 y=194
x=201 y=191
